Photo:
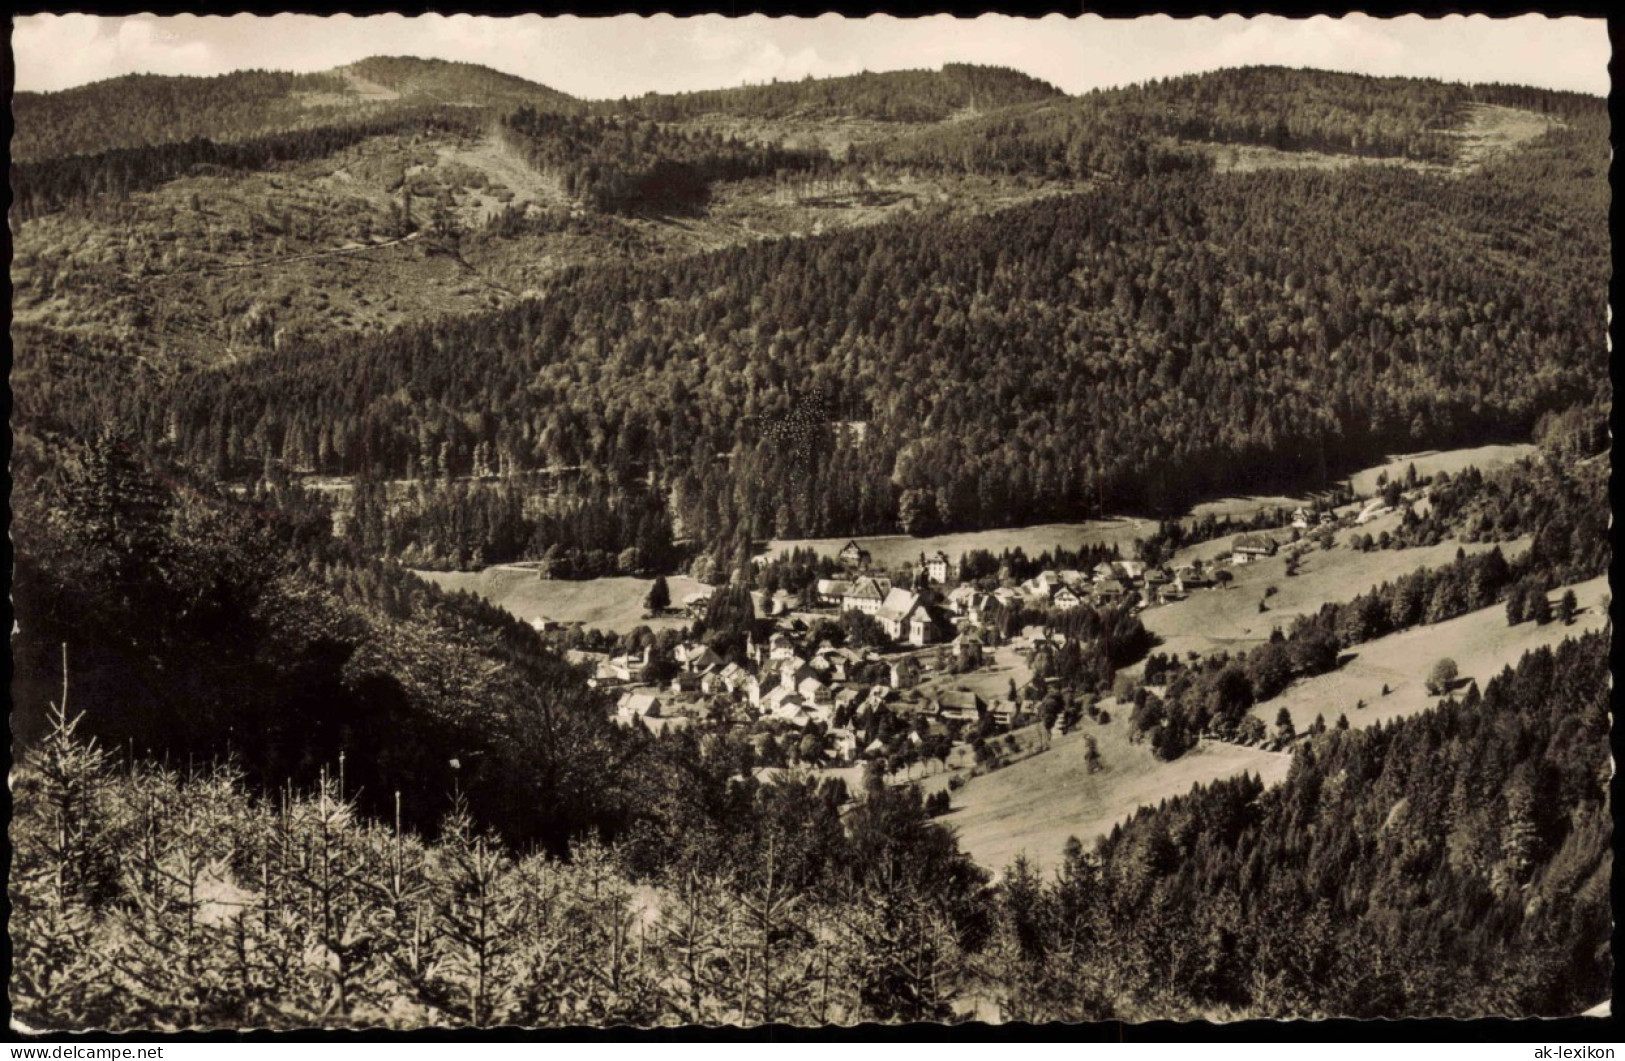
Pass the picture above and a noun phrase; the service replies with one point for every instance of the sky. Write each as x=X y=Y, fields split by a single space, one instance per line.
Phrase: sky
x=600 y=58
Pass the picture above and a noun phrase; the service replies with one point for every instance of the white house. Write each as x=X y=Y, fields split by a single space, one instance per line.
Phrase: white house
x=960 y=704
x=781 y=698
x=843 y=745
x=630 y=667
x=832 y=590
x=638 y=705
x=866 y=595
x=905 y=617
x=853 y=555
x=1249 y=547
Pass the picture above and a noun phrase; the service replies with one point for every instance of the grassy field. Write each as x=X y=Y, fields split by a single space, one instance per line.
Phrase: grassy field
x=1364 y=481
x=1431 y=462
x=606 y=603
x=1035 y=805
x=990 y=682
x=890 y=550
x=893 y=549
x=1481 y=643
x=1229 y=618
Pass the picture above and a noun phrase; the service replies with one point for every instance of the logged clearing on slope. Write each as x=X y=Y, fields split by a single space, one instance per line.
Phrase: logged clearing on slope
x=1492 y=129
x=614 y=604
x=1032 y=807
x=1489 y=130
x=1480 y=642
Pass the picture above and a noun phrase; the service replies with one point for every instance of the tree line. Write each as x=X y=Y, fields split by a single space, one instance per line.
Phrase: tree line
x=899 y=95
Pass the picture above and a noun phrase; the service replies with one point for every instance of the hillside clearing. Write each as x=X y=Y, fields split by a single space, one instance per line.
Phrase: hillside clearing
x=990 y=682
x=1229 y=618
x=1481 y=643
x=1493 y=130
x=893 y=550
x=614 y=604
x=1250 y=158
x=1032 y=807
x=1432 y=462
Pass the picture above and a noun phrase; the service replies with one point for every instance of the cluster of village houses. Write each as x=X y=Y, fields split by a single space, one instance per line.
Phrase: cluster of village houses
x=787 y=679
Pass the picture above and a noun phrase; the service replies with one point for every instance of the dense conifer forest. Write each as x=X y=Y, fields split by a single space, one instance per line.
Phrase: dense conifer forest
x=1054 y=377
x=621 y=167
x=157 y=110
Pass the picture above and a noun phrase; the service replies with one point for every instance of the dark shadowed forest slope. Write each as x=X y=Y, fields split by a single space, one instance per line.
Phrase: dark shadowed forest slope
x=1453 y=864
x=199 y=625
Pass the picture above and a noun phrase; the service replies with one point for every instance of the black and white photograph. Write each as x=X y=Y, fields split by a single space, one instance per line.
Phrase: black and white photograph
x=702 y=522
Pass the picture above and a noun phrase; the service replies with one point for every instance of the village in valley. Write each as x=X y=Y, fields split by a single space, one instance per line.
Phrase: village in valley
x=943 y=664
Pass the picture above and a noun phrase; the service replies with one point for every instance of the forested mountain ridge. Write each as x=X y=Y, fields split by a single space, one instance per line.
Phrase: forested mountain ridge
x=141 y=110
x=146 y=109
x=1289 y=110
x=212 y=228
x=416 y=80
x=895 y=96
